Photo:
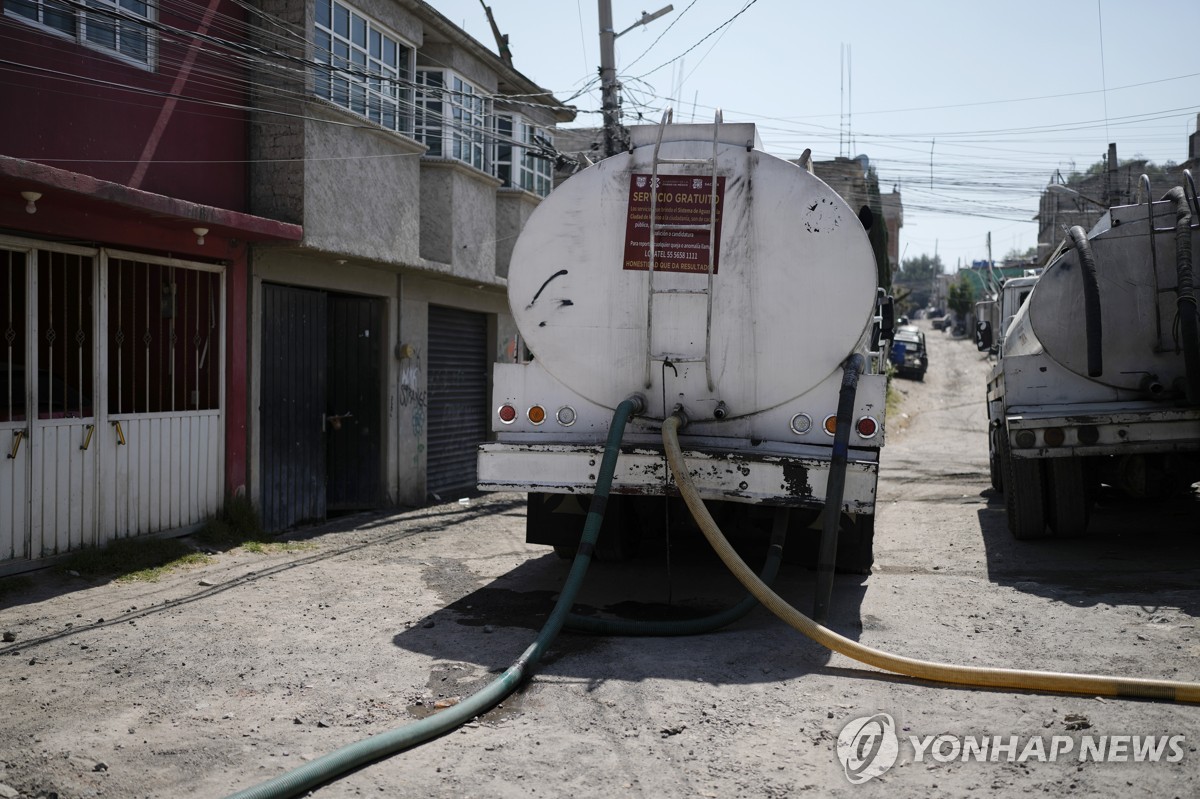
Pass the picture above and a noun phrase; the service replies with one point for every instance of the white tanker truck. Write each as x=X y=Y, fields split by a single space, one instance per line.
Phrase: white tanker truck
x=1098 y=375
x=705 y=276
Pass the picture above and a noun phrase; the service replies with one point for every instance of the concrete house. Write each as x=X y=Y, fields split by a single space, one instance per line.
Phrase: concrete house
x=383 y=130
x=249 y=249
x=125 y=234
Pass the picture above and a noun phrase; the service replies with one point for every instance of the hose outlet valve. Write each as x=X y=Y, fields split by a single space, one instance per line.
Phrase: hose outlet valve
x=1151 y=385
x=720 y=412
x=681 y=414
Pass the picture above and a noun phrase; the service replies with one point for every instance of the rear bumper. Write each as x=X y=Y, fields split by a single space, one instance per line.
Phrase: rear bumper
x=739 y=477
x=1115 y=431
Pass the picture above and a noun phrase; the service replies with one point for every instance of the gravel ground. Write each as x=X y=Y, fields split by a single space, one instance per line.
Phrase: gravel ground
x=220 y=676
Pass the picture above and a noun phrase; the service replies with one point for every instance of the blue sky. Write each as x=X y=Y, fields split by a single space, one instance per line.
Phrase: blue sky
x=968 y=107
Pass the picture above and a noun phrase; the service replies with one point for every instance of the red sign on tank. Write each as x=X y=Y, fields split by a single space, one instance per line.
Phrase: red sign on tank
x=682 y=200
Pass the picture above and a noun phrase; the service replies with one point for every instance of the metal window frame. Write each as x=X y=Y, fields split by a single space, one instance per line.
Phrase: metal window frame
x=460 y=126
x=401 y=77
x=79 y=35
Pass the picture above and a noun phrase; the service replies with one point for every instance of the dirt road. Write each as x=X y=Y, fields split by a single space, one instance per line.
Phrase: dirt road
x=219 y=677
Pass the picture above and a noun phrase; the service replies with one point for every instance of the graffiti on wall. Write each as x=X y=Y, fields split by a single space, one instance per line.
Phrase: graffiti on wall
x=411 y=394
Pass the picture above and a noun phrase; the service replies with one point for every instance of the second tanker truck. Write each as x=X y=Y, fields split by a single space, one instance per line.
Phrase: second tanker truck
x=1097 y=380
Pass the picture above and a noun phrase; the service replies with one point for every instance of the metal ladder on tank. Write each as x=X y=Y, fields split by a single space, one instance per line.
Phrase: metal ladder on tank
x=657 y=227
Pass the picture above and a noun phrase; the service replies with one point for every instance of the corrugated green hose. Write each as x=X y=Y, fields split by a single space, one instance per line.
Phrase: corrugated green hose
x=357 y=754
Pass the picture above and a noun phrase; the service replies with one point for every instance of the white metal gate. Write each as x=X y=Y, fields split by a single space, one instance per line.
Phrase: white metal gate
x=121 y=433
x=15 y=465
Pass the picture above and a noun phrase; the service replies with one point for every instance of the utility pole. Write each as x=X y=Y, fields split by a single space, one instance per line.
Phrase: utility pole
x=501 y=38
x=609 y=102
x=1110 y=177
x=992 y=279
x=610 y=97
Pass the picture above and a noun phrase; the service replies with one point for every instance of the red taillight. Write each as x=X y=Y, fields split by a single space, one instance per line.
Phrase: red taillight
x=867 y=427
x=507 y=413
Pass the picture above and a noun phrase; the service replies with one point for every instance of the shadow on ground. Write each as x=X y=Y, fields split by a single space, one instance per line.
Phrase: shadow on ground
x=479 y=626
x=1134 y=553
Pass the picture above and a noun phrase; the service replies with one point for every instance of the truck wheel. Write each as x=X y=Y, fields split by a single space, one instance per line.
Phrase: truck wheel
x=994 y=471
x=1024 y=498
x=855 y=552
x=1068 y=502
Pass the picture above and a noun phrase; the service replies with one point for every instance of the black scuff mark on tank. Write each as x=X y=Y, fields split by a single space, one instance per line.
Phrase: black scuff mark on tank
x=562 y=303
x=557 y=274
x=795 y=480
x=822 y=214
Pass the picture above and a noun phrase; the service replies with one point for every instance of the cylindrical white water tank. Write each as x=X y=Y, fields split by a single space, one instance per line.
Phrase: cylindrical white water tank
x=793 y=293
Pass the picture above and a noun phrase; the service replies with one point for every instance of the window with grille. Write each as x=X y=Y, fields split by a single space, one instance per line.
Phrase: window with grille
x=452 y=118
x=65 y=335
x=13 y=319
x=164 y=336
x=116 y=26
x=63 y=382
x=364 y=68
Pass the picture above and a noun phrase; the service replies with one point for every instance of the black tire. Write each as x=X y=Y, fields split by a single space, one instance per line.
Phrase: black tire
x=1068 y=501
x=856 y=545
x=1024 y=495
x=995 y=472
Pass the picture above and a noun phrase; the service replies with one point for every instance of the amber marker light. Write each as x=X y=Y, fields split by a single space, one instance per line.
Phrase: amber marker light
x=536 y=414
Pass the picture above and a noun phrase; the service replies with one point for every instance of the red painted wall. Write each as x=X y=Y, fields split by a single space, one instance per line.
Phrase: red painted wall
x=76 y=108
x=79 y=109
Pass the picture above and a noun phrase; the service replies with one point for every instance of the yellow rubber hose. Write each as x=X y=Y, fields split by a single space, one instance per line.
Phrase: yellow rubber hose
x=1089 y=684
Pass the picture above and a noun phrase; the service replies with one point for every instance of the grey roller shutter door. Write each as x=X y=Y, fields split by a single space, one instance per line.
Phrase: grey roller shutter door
x=457 y=399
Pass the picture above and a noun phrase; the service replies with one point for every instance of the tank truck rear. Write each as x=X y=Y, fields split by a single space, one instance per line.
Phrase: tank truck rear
x=702 y=274
x=1098 y=376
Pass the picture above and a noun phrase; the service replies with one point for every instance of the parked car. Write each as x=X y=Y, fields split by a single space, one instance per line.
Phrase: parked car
x=909 y=354
x=943 y=322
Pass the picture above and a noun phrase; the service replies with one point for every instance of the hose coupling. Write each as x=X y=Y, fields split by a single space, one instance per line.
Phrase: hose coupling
x=679 y=413
x=720 y=412
x=638 y=402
